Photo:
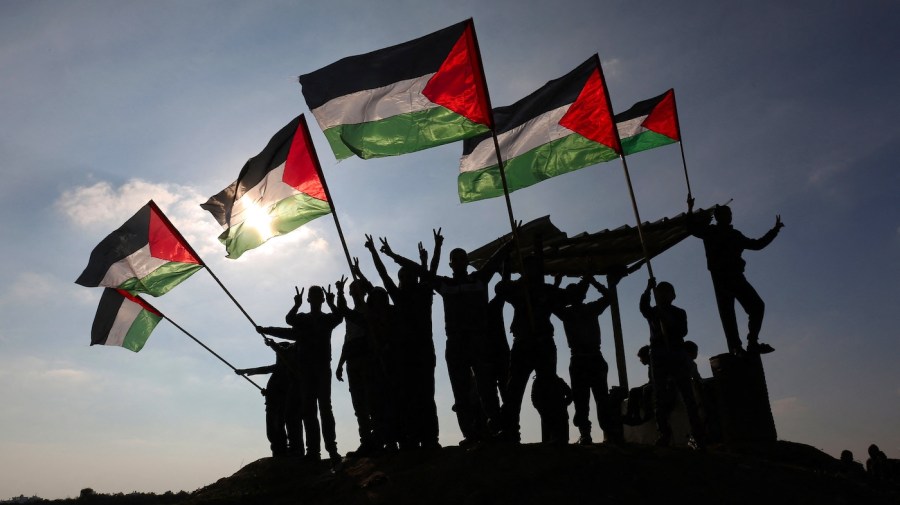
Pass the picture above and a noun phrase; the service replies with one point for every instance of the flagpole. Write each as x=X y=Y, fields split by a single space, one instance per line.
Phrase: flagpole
x=202 y=263
x=618 y=149
x=210 y=351
x=681 y=145
x=321 y=174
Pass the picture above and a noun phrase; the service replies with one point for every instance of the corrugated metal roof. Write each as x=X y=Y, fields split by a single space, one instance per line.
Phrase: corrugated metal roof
x=599 y=253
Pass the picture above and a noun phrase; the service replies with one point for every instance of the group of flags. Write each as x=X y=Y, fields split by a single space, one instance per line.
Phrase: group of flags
x=412 y=96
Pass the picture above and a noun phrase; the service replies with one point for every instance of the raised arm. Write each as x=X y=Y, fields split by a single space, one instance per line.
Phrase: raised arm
x=757 y=244
x=436 y=254
x=645 y=299
x=389 y=284
x=400 y=260
x=298 y=301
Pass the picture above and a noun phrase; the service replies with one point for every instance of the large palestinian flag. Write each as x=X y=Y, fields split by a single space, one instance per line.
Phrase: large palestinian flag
x=123 y=320
x=649 y=123
x=277 y=191
x=145 y=255
x=563 y=126
x=422 y=93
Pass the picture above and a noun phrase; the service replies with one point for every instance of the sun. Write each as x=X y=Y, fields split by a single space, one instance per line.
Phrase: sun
x=259 y=220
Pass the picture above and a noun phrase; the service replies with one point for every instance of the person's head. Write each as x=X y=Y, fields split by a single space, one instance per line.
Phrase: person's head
x=407 y=277
x=459 y=261
x=357 y=290
x=576 y=292
x=690 y=347
x=722 y=213
x=378 y=299
x=846 y=456
x=316 y=295
x=665 y=293
x=874 y=450
x=643 y=354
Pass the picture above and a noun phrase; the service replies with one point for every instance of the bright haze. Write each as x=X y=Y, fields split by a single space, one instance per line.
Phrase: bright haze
x=787 y=108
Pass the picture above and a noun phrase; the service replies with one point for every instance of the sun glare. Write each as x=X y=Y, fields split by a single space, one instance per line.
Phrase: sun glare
x=260 y=220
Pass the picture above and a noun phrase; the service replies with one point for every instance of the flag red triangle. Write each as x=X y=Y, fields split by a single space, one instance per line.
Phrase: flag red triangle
x=164 y=240
x=300 y=167
x=459 y=83
x=590 y=115
x=664 y=118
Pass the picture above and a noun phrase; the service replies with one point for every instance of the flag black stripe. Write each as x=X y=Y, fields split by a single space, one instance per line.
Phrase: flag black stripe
x=118 y=245
x=382 y=67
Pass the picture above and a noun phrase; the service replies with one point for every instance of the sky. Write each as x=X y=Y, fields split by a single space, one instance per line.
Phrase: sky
x=786 y=107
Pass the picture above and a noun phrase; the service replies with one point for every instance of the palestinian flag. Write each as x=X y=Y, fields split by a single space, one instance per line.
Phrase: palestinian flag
x=145 y=255
x=648 y=124
x=123 y=320
x=563 y=126
x=277 y=191
x=422 y=93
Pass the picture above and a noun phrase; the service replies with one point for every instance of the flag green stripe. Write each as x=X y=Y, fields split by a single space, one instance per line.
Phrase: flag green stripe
x=645 y=140
x=287 y=215
x=401 y=134
x=161 y=280
x=558 y=157
x=140 y=330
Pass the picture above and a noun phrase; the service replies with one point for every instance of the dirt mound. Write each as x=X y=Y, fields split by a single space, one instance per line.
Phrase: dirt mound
x=540 y=474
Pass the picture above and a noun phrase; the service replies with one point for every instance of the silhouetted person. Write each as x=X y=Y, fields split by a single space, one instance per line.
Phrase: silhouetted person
x=533 y=349
x=849 y=467
x=551 y=397
x=312 y=331
x=497 y=342
x=640 y=398
x=724 y=246
x=362 y=367
x=877 y=466
x=283 y=401
x=414 y=357
x=669 y=367
x=587 y=368
x=466 y=324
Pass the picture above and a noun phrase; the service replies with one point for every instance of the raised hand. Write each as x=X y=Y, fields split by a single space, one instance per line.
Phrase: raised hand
x=298 y=298
x=329 y=296
x=778 y=224
x=339 y=284
x=369 y=243
x=385 y=247
x=438 y=238
x=423 y=254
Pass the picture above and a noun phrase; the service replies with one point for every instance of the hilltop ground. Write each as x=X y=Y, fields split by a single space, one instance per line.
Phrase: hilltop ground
x=540 y=474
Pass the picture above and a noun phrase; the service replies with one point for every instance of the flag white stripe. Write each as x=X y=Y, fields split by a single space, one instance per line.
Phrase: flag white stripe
x=531 y=134
x=139 y=264
x=631 y=127
x=375 y=104
x=271 y=190
x=128 y=312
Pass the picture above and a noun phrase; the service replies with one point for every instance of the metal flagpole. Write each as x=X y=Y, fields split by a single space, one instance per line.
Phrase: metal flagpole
x=210 y=351
x=337 y=223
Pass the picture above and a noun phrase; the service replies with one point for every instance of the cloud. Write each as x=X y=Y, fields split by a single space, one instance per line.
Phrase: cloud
x=102 y=207
x=67 y=376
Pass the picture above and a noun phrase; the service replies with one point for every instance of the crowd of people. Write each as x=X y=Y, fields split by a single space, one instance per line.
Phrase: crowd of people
x=389 y=353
